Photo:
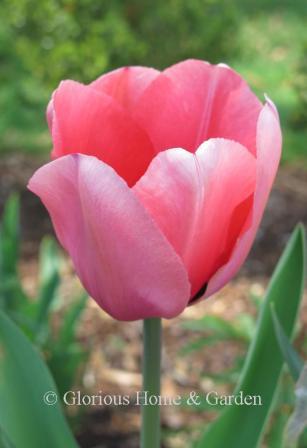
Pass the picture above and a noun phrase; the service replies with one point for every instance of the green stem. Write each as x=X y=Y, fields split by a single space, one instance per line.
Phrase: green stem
x=150 y=432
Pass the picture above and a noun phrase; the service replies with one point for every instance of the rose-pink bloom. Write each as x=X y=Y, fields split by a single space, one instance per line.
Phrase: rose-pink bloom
x=159 y=182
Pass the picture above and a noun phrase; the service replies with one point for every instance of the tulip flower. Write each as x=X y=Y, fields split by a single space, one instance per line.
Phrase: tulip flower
x=158 y=183
x=156 y=190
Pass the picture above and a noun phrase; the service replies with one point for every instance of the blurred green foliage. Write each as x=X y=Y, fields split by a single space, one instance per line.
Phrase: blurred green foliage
x=44 y=42
x=81 y=39
x=299 y=117
x=65 y=356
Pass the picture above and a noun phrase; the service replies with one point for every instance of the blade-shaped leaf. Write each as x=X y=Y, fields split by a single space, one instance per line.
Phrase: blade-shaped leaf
x=9 y=238
x=298 y=420
x=241 y=329
x=66 y=356
x=243 y=426
x=66 y=365
x=5 y=441
x=11 y=293
x=283 y=402
x=24 y=380
x=49 y=278
x=68 y=329
x=291 y=357
x=216 y=324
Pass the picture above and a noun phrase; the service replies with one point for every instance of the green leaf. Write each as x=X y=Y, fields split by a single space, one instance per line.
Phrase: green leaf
x=291 y=357
x=198 y=344
x=240 y=329
x=49 y=277
x=66 y=364
x=280 y=412
x=70 y=320
x=9 y=236
x=48 y=285
x=213 y=323
x=24 y=380
x=243 y=426
x=215 y=329
x=298 y=420
x=5 y=441
x=11 y=293
x=66 y=357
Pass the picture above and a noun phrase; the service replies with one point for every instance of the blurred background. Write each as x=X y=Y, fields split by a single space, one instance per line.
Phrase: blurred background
x=42 y=43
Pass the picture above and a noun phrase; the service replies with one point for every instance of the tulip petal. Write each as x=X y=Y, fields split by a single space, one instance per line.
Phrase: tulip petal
x=123 y=260
x=90 y=122
x=269 y=142
x=193 y=101
x=126 y=85
x=200 y=202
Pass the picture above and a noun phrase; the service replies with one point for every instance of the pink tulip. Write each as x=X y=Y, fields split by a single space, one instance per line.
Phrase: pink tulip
x=159 y=182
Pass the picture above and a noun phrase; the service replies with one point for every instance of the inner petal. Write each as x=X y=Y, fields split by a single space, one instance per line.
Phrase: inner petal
x=125 y=85
x=201 y=202
x=85 y=121
x=194 y=101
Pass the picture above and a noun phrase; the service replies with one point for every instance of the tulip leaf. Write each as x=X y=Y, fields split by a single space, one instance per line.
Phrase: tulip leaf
x=49 y=277
x=24 y=381
x=221 y=328
x=291 y=357
x=283 y=403
x=48 y=287
x=10 y=230
x=5 y=441
x=243 y=426
x=70 y=320
x=11 y=293
x=298 y=420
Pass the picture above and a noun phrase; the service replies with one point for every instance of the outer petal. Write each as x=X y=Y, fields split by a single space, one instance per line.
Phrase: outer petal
x=121 y=257
x=90 y=122
x=269 y=141
x=201 y=202
x=193 y=101
x=126 y=85
x=50 y=113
